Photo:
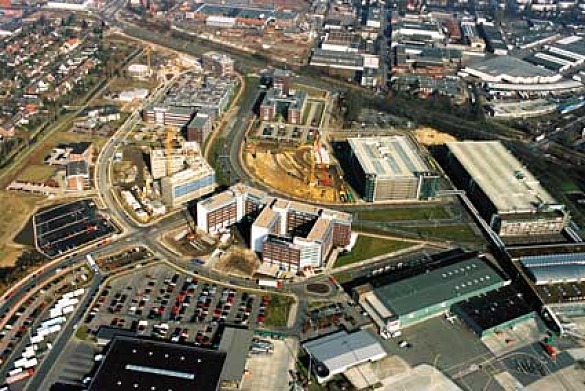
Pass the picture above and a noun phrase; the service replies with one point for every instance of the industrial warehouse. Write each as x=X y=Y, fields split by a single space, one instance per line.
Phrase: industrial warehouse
x=390 y=169
x=289 y=234
x=508 y=196
x=429 y=293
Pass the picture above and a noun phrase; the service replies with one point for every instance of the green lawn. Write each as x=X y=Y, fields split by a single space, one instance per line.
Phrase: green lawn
x=82 y=332
x=455 y=233
x=569 y=186
x=368 y=247
x=393 y=214
x=278 y=310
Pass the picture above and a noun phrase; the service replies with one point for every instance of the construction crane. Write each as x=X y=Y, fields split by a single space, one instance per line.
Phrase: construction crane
x=148 y=52
x=324 y=179
x=192 y=233
x=169 y=150
x=312 y=177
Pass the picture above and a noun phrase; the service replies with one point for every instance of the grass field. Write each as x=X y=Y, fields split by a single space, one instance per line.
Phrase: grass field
x=456 y=233
x=393 y=214
x=8 y=255
x=368 y=247
x=62 y=137
x=17 y=209
x=36 y=173
x=278 y=311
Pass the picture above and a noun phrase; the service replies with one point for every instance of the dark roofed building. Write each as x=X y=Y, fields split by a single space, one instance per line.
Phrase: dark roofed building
x=496 y=310
x=146 y=365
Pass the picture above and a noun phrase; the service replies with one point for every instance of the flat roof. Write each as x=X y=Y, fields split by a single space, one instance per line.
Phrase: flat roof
x=236 y=343
x=494 y=308
x=393 y=156
x=266 y=218
x=140 y=364
x=341 y=350
x=510 y=66
x=218 y=201
x=319 y=229
x=437 y=286
x=502 y=177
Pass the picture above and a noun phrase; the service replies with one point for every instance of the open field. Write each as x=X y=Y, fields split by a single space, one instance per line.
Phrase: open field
x=461 y=233
x=16 y=210
x=36 y=173
x=238 y=261
x=398 y=213
x=429 y=136
x=278 y=311
x=368 y=247
x=64 y=137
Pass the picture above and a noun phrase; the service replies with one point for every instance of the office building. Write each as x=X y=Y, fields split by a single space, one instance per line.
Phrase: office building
x=289 y=234
x=200 y=127
x=194 y=182
x=218 y=63
x=289 y=105
x=390 y=169
x=508 y=196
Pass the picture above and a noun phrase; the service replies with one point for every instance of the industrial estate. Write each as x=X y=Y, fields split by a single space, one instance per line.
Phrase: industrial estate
x=292 y=195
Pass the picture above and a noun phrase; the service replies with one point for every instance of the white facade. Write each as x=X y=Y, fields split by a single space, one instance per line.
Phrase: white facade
x=310 y=253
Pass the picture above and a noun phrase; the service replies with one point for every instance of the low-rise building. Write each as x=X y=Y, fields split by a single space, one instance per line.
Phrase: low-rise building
x=290 y=106
x=77 y=175
x=413 y=299
x=218 y=63
x=335 y=353
x=200 y=127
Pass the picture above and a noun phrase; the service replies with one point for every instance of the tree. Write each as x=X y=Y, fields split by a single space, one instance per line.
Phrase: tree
x=353 y=105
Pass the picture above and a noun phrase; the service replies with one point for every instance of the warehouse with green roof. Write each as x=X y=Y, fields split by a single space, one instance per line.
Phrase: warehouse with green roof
x=420 y=297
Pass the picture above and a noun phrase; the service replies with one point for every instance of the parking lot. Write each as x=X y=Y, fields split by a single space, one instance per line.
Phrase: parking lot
x=531 y=363
x=157 y=301
x=31 y=312
x=435 y=341
x=267 y=371
x=65 y=227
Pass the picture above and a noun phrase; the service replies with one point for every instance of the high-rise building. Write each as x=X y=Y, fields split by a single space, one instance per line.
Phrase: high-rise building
x=287 y=233
x=390 y=168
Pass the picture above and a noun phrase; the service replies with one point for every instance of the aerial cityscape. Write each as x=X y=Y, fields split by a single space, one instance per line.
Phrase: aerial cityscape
x=290 y=195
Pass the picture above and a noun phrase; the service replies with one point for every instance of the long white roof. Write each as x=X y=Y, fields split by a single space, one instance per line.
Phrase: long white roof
x=507 y=183
x=340 y=351
x=391 y=156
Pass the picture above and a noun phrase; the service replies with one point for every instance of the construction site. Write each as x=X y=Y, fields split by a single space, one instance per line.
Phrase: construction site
x=287 y=146
x=306 y=172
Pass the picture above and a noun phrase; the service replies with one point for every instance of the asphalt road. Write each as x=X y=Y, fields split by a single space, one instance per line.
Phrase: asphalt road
x=47 y=363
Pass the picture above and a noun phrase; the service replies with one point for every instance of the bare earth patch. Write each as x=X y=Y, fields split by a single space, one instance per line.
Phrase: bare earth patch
x=238 y=261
